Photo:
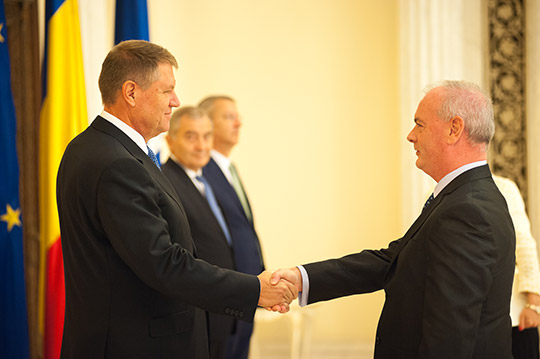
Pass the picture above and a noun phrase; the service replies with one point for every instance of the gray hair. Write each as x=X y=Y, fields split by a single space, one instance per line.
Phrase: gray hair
x=471 y=103
x=192 y=112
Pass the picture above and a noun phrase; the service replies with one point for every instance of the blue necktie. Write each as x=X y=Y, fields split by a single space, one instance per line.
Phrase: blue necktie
x=428 y=201
x=153 y=157
x=211 y=198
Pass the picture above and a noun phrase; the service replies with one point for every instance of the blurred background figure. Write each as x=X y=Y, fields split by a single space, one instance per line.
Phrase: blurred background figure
x=525 y=301
x=190 y=140
x=229 y=190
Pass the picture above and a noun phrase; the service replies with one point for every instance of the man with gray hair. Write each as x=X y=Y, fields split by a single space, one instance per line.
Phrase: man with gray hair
x=190 y=139
x=448 y=279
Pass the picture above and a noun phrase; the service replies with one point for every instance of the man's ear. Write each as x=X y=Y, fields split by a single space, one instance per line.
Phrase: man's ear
x=456 y=127
x=128 y=92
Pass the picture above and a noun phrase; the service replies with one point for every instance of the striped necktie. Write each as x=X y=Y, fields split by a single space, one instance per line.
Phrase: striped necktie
x=239 y=189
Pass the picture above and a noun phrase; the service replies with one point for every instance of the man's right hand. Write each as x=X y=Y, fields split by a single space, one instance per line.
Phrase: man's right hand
x=276 y=295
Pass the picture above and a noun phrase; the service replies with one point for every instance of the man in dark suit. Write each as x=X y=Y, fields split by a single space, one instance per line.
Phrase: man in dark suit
x=224 y=179
x=448 y=279
x=134 y=287
x=190 y=140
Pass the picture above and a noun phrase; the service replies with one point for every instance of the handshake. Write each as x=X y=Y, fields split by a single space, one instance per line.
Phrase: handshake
x=279 y=288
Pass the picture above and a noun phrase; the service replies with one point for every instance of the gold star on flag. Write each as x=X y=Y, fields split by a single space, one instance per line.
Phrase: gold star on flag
x=1 y=37
x=11 y=217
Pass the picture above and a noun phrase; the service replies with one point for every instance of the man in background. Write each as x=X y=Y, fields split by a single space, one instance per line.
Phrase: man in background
x=190 y=139
x=223 y=177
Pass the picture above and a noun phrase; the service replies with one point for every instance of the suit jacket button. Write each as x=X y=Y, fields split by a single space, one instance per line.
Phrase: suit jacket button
x=377 y=340
x=236 y=313
x=227 y=310
x=241 y=314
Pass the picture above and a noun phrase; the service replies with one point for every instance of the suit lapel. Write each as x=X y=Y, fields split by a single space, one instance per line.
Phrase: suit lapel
x=181 y=177
x=198 y=201
x=213 y=171
x=465 y=177
x=105 y=126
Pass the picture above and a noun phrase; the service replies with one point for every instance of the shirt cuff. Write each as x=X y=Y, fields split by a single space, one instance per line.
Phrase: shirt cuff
x=304 y=295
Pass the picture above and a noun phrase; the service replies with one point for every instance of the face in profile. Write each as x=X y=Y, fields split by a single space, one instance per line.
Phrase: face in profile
x=427 y=136
x=192 y=142
x=154 y=104
x=226 y=122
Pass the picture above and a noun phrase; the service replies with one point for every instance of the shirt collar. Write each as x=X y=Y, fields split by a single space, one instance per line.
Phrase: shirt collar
x=125 y=128
x=452 y=175
x=220 y=158
x=223 y=162
x=191 y=173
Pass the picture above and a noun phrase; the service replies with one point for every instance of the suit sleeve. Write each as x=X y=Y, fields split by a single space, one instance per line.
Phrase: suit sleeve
x=460 y=264
x=358 y=273
x=134 y=213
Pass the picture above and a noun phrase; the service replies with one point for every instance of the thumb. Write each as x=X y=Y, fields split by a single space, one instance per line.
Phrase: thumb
x=276 y=276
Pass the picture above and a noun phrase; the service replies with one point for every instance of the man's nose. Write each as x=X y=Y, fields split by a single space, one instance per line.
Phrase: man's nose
x=410 y=136
x=175 y=102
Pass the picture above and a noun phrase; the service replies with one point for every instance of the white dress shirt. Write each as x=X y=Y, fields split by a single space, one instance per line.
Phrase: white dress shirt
x=224 y=163
x=124 y=127
x=191 y=174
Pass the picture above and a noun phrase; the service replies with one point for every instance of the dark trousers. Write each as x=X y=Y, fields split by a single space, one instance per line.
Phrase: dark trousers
x=238 y=344
x=525 y=343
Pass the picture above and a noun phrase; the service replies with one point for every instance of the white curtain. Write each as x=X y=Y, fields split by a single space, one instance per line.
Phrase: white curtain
x=97 y=37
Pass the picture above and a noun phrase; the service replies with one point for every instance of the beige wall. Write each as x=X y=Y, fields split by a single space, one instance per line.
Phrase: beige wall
x=317 y=85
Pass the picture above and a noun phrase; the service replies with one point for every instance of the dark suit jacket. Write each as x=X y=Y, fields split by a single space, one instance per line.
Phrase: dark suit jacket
x=133 y=285
x=209 y=239
x=247 y=249
x=447 y=281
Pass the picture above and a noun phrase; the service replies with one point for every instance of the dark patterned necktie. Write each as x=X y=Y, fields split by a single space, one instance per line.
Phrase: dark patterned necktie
x=428 y=201
x=153 y=157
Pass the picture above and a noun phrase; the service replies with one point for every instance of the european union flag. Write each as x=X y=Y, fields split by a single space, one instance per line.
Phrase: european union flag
x=13 y=317
x=131 y=20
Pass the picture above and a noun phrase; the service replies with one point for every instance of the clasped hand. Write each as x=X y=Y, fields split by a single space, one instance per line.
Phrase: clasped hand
x=279 y=289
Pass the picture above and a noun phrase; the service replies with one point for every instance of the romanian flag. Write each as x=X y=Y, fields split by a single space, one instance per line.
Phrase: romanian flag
x=63 y=116
x=13 y=316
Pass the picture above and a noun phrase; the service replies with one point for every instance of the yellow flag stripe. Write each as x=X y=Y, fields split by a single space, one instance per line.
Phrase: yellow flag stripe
x=63 y=116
